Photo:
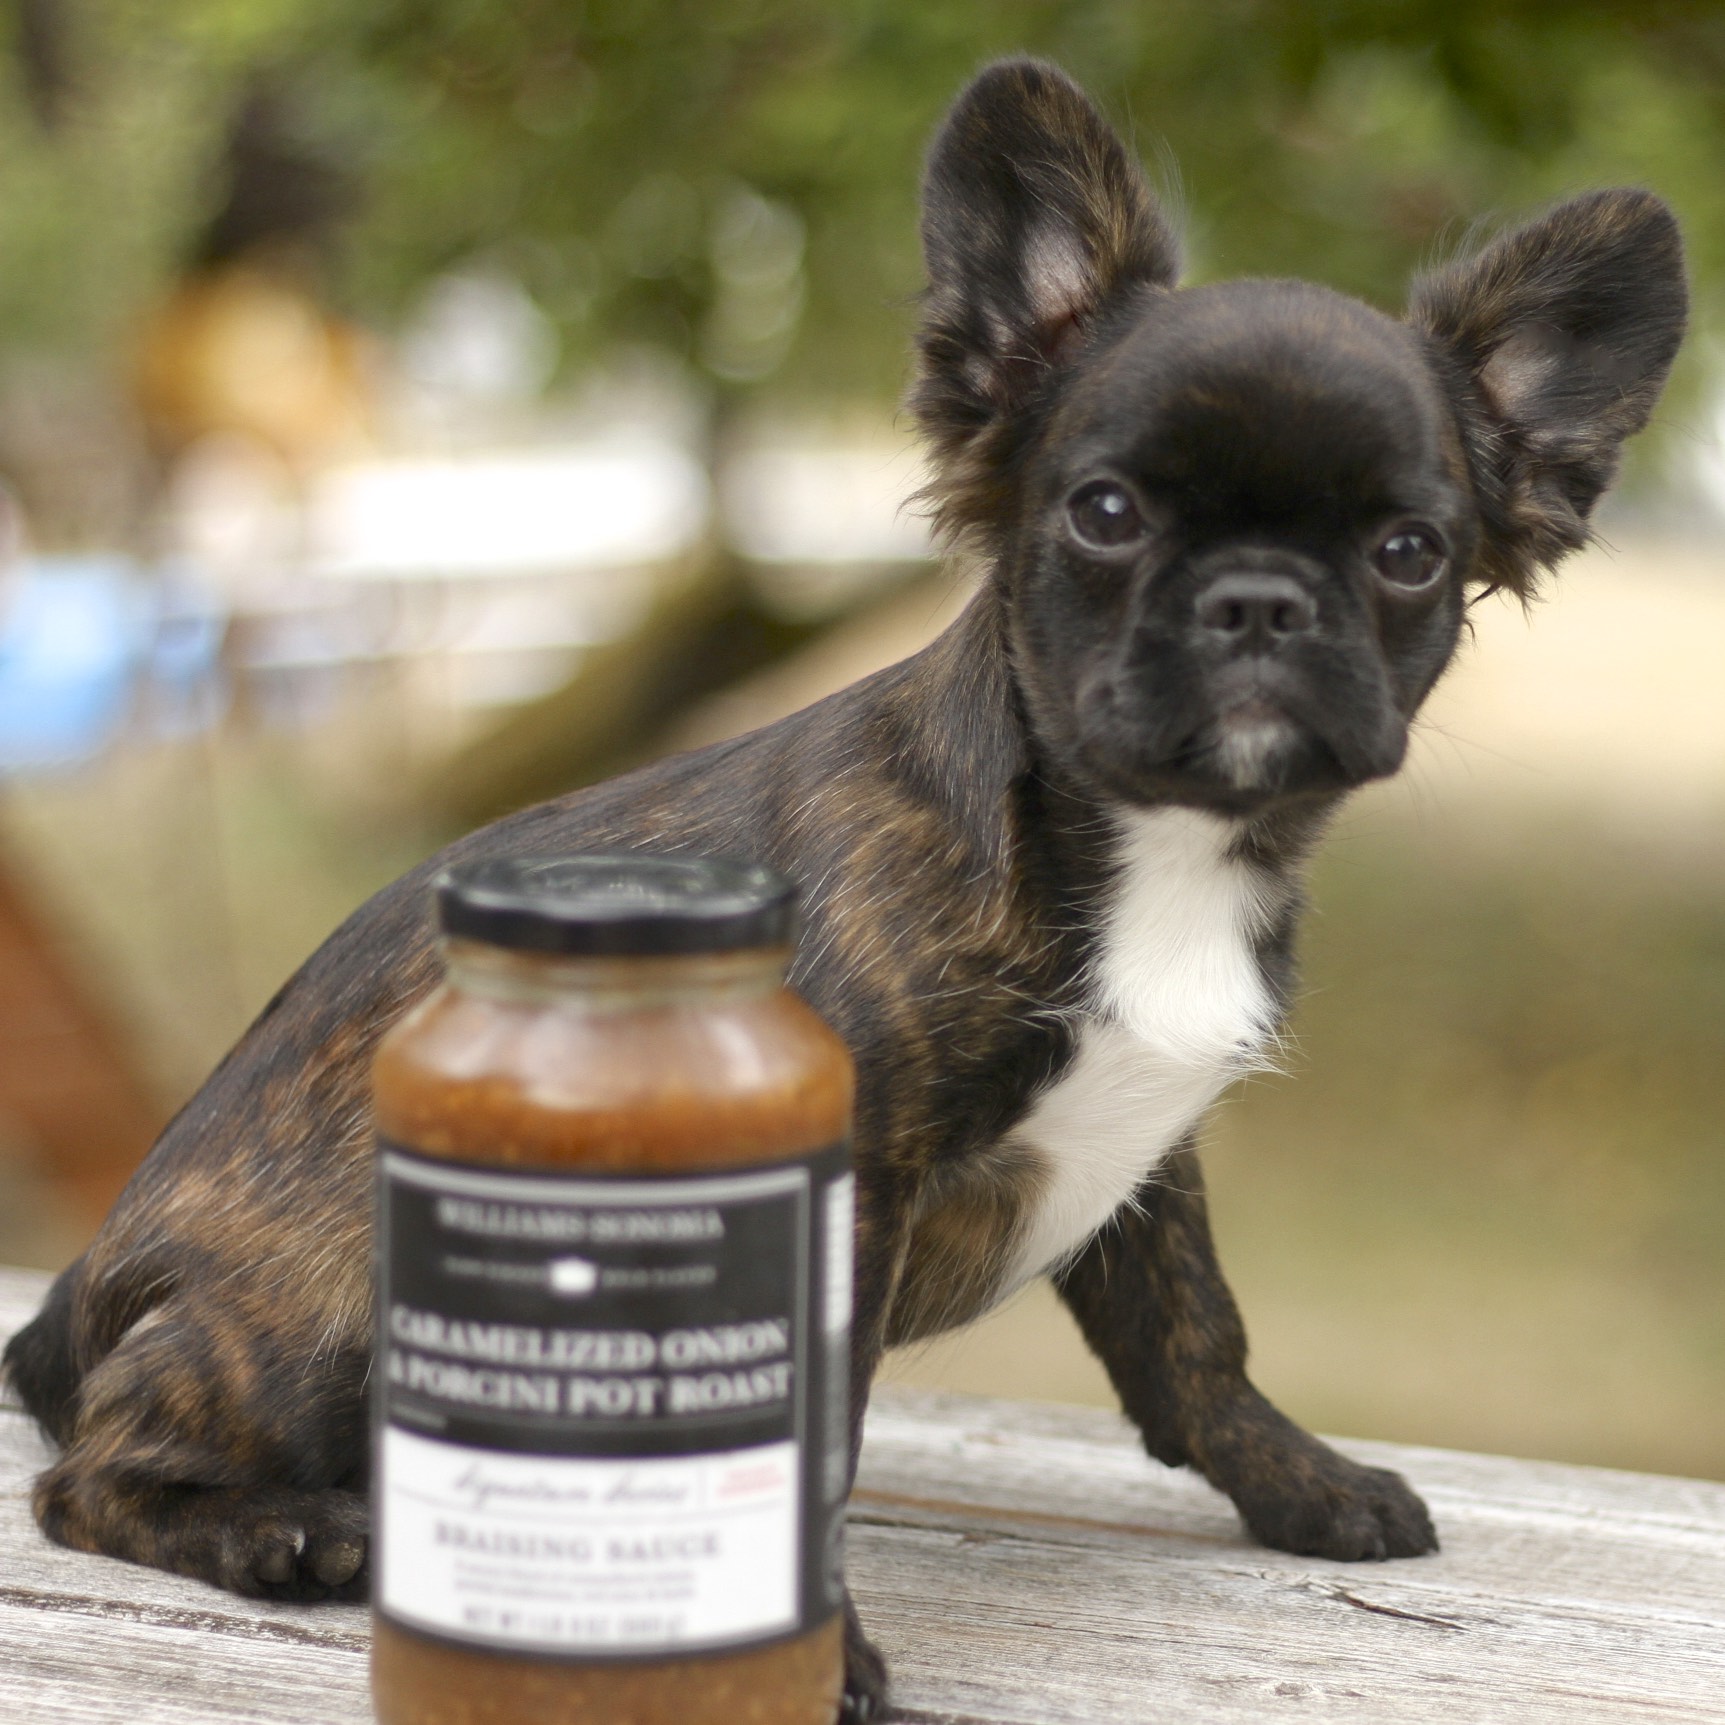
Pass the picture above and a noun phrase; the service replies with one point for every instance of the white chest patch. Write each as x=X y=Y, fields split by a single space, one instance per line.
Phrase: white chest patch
x=1179 y=1009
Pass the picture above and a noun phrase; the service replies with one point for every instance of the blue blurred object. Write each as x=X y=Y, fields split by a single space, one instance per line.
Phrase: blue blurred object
x=188 y=686
x=79 y=638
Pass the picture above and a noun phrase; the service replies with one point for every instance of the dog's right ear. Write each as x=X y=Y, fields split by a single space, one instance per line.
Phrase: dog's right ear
x=1033 y=216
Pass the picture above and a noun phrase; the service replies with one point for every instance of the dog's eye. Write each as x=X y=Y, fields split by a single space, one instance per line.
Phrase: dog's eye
x=1410 y=558
x=1104 y=517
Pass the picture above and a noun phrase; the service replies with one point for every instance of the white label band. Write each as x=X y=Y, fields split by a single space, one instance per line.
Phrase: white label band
x=561 y=1555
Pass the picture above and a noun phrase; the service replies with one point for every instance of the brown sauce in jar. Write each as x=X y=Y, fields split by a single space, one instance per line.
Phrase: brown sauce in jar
x=673 y=1050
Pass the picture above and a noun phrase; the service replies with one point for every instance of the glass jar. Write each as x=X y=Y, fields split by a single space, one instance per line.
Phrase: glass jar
x=614 y=1245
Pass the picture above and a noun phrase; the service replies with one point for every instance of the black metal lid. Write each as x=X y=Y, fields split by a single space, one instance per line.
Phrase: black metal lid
x=622 y=903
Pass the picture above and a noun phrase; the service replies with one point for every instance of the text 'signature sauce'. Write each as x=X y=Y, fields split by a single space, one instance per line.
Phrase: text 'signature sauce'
x=614 y=1241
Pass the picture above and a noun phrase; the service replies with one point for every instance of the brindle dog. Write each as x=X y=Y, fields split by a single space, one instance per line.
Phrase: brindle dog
x=1050 y=865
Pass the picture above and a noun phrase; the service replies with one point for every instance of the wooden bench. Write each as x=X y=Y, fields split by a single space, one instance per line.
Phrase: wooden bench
x=1026 y=1565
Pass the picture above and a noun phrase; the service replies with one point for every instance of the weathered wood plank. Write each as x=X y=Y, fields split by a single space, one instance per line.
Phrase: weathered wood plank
x=1029 y=1566
x=85 y=1667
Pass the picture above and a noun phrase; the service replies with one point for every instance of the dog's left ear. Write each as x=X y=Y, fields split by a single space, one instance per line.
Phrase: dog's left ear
x=1034 y=215
x=1563 y=331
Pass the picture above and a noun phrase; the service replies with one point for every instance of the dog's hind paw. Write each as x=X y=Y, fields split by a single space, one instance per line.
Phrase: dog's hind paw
x=314 y=1546
x=268 y=1542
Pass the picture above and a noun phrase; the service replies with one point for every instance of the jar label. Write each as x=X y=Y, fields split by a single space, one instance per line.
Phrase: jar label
x=611 y=1413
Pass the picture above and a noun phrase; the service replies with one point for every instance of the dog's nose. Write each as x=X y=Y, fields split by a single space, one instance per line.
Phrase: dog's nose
x=1255 y=611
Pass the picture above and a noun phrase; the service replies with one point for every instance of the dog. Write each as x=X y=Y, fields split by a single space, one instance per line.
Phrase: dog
x=1050 y=866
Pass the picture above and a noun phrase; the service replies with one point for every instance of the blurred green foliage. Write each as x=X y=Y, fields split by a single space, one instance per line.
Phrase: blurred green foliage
x=624 y=156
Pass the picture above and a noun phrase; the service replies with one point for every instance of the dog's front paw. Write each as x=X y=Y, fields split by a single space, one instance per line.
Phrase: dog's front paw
x=864 y=1701
x=1323 y=1505
x=1297 y=1494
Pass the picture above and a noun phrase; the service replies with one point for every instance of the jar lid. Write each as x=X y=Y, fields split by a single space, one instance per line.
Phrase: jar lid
x=620 y=903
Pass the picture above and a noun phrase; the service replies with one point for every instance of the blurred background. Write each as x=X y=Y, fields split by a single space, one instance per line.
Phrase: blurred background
x=411 y=408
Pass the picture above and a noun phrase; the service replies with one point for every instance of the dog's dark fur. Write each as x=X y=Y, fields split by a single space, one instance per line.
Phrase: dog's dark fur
x=954 y=825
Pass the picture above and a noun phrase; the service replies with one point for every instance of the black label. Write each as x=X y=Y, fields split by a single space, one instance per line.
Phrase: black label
x=611 y=1411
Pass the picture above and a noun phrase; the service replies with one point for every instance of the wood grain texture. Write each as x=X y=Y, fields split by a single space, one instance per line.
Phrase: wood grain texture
x=1027 y=1565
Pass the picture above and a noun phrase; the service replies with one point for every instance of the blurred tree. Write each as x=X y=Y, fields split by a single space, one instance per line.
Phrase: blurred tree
x=735 y=179
x=43 y=57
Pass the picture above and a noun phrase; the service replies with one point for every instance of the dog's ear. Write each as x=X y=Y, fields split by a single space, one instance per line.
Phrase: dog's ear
x=1563 y=331
x=1033 y=216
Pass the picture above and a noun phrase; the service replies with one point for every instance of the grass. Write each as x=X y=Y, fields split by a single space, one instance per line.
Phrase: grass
x=1488 y=1206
